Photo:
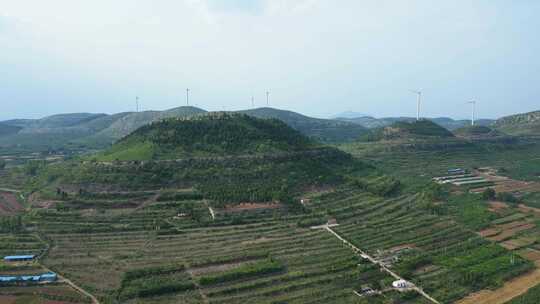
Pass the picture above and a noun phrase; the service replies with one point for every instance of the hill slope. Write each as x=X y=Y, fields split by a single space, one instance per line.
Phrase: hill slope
x=324 y=130
x=216 y=134
x=8 y=130
x=475 y=132
x=227 y=157
x=100 y=130
x=132 y=121
x=417 y=130
x=520 y=124
x=448 y=123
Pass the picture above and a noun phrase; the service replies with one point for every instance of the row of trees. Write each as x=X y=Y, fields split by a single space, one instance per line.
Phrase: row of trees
x=11 y=223
x=250 y=270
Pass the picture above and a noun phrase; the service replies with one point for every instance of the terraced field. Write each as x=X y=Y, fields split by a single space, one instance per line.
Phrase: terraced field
x=447 y=260
x=97 y=249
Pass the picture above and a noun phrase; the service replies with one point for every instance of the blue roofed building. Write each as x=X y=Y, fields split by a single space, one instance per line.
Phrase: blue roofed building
x=37 y=278
x=19 y=258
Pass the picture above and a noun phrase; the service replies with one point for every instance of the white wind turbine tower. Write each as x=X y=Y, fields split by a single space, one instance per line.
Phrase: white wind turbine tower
x=419 y=101
x=473 y=114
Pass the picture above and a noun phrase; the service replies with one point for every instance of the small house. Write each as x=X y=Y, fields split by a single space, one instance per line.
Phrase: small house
x=401 y=284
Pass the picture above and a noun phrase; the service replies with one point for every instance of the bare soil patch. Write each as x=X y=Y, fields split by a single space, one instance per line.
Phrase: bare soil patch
x=508 y=233
x=497 y=207
x=7 y=299
x=257 y=241
x=530 y=254
x=9 y=203
x=518 y=243
x=489 y=232
x=215 y=268
x=528 y=209
x=251 y=206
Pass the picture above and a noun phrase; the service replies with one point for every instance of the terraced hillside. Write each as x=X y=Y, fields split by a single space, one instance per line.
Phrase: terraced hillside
x=447 y=260
x=477 y=132
x=269 y=260
x=226 y=157
x=520 y=124
x=416 y=130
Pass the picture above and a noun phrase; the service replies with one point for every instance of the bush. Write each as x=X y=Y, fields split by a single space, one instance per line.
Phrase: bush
x=507 y=197
x=489 y=194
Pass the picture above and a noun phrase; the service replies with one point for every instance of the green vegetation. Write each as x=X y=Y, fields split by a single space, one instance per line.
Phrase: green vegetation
x=219 y=134
x=322 y=130
x=237 y=159
x=520 y=124
x=207 y=210
x=246 y=271
x=155 y=281
x=477 y=131
x=421 y=129
x=6 y=129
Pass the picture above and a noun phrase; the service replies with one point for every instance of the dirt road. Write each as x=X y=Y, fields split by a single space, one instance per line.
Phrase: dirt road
x=383 y=268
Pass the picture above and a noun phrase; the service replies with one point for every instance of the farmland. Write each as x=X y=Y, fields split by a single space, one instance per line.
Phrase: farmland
x=204 y=256
x=185 y=224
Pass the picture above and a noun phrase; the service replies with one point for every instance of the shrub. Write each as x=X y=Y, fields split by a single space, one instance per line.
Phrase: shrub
x=489 y=194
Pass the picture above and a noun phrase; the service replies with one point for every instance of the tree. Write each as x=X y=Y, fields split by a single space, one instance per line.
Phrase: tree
x=489 y=194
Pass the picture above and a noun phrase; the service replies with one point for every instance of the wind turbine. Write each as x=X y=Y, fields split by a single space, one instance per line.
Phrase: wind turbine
x=267 y=98
x=137 y=103
x=252 y=101
x=473 y=116
x=187 y=97
x=419 y=101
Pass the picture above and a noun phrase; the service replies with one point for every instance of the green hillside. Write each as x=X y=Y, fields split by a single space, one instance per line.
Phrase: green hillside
x=445 y=122
x=91 y=131
x=477 y=132
x=217 y=134
x=132 y=121
x=417 y=130
x=8 y=130
x=227 y=157
x=520 y=124
x=323 y=130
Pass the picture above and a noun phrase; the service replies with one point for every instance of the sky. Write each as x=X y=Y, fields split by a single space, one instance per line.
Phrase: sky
x=317 y=57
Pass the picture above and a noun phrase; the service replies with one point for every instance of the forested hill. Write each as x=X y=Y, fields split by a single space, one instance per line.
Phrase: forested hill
x=422 y=129
x=323 y=130
x=216 y=134
x=227 y=157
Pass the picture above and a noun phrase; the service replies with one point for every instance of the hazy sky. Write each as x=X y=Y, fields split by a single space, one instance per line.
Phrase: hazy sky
x=319 y=57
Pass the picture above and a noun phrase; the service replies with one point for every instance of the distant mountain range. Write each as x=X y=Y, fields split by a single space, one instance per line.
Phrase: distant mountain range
x=86 y=130
x=100 y=130
x=448 y=123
